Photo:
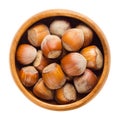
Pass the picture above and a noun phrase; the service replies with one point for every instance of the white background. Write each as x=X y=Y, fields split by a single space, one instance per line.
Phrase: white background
x=14 y=105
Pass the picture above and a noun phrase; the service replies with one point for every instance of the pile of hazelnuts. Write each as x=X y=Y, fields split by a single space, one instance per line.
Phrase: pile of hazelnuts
x=59 y=62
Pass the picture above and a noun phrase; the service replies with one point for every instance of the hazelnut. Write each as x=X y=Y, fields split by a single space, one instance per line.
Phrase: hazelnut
x=51 y=46
x=86 y=82
x=58 y=27
x=26 y=54
x=58 y=62
x=40 y=61
x=28 y=76
x=73 y=39
x=41 y=91
x=37 y=33
x=88 y=34
x=73 y=64
x=66 y=94
x=93 y=56
x=53 y=76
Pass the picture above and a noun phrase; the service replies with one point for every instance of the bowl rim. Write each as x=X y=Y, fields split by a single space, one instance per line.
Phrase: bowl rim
x=68 y=13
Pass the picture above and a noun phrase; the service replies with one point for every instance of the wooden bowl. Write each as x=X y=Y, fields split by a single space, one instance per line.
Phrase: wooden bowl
x=74 y=18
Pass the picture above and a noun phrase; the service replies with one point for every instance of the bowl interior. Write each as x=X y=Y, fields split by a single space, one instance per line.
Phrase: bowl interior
x=74 y=18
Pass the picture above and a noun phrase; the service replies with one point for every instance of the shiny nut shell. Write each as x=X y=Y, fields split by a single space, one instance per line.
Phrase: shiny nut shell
x=37 y=33
x=51 y=46
x=41 y=91
x=73 y=64
x=28 y=76
x=88 y=34
x=73 y=39
x=93 y=56
x=53 y=76
x=26 y=54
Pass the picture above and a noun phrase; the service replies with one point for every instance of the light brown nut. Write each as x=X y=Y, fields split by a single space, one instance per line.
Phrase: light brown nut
x=37 y=33
x=86 y=82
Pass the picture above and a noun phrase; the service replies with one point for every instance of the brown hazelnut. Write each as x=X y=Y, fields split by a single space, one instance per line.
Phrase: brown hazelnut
x=28 y=76
x=73 y=39
x=41 y=91
x=73 y=64
x=66 y=94
x=86 y=82
x=58 y=27
x=53 y=76
x=93 y=56
x=26 y=54
x=88 y=34
x=37 y=33
x=40 y=61
x=51 y=46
